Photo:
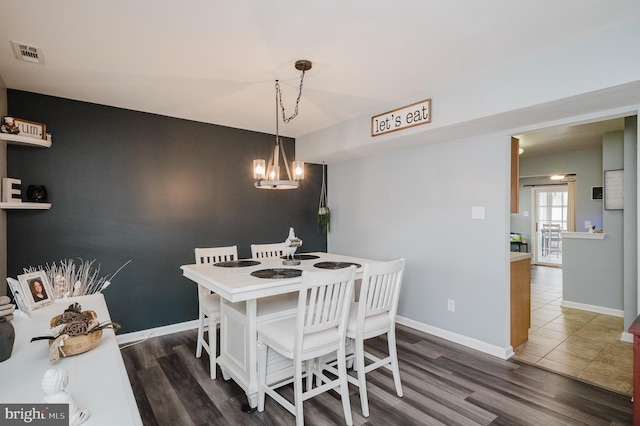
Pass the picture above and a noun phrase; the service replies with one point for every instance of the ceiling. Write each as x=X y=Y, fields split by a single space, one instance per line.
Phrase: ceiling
x=216 y=62
x=567 y=138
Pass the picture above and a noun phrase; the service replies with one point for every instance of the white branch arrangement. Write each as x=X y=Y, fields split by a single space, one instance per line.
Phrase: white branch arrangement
x=69 y=279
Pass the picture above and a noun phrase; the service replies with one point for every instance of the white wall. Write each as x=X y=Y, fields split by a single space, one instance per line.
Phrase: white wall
x=417 y=204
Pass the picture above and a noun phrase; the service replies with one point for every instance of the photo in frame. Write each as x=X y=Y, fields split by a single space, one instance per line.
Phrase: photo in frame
x=36 y=289
x=14 y=286
x=596 y=193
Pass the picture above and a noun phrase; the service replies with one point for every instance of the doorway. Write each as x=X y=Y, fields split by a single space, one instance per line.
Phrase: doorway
x=550 y=219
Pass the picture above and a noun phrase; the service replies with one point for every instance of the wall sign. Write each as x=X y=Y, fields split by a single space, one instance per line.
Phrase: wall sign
x=614 y=189
x=11 y=191
x=401 y=118
x=31 y=128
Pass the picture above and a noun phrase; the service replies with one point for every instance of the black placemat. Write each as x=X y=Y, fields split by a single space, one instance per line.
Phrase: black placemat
x=335 y=265
x=302 y=257
x=237 y=263
x=277 y=273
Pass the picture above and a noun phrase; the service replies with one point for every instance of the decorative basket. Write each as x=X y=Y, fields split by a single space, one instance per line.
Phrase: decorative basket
x=78 y=344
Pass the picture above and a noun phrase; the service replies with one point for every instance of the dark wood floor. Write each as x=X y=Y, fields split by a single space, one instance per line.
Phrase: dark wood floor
x=443 y=383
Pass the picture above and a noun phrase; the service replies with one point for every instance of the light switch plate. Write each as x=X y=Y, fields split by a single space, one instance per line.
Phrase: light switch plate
x=477 y=212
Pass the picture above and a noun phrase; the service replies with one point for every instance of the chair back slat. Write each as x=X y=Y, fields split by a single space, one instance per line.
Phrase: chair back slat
x=324 y=300
x=265 y=251
x=210 y=255
x=380 y=288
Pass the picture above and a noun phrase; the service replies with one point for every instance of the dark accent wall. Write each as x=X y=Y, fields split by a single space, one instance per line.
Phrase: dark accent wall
x=130 y=185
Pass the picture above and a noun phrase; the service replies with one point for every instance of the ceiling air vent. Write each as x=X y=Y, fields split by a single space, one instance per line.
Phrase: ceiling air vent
x=28 y=53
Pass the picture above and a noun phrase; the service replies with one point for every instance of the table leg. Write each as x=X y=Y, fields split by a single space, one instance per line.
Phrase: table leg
x=252 y=346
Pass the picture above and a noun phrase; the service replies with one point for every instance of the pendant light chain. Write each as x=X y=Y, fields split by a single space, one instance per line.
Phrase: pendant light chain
x=267 y=174
x=279 y=96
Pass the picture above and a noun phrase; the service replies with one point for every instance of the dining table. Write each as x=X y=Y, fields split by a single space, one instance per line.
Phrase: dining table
x=253 y=292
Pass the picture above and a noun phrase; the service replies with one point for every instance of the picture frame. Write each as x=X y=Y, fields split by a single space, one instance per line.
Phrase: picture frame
x=29 y=286
x=16 y=289
x=614 y=189
x=31 y=128
x=596 y=193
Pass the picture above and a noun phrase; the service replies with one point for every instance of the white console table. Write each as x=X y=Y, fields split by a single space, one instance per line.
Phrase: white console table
x=98 y=379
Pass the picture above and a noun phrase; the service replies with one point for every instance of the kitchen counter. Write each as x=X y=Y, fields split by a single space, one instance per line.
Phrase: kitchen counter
x=516 y=256
x=520 y=297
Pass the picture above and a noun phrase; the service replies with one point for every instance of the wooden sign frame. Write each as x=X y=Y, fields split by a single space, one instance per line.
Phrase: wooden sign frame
x=31 y=129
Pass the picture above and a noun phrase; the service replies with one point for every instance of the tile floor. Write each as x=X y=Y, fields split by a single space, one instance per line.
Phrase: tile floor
x=578 y=343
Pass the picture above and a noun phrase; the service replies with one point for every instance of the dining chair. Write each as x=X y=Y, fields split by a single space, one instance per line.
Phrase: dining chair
x=373 y=315
x=318 y=329
x=263 y=251
x=209 y=303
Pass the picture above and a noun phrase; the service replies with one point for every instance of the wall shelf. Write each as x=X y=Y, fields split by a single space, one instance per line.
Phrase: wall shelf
x=25 y=140
x=25 y=206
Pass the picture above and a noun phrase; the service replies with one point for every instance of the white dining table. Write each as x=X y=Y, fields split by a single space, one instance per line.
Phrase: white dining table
x=247 y=300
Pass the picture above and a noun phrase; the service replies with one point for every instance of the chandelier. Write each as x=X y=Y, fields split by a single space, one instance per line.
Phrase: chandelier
x=267 y=174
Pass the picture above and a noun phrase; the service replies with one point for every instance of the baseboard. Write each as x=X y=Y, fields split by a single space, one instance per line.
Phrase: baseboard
x=155 y=332
x=593 y=308
x=497 y=351
x=626 y=337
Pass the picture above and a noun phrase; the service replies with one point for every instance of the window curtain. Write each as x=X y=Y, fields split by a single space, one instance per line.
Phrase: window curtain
x=571 y=206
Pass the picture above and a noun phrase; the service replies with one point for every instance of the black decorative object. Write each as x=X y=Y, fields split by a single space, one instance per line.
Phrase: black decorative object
x=37 y=193
x=237 y=263
x=335 y=265
x=7 y=338
x=302 y=257
x=277 y=273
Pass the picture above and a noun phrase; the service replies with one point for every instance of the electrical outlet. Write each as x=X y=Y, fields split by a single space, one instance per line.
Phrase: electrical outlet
x=451 y=305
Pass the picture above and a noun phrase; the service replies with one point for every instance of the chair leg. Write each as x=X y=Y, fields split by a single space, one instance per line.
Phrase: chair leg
x=297 y=392
x=358 y=366
x=391 y=338
x=311 y=366
x=262 y=374
x=344 y=386
x=213 y=347
x=200 y=333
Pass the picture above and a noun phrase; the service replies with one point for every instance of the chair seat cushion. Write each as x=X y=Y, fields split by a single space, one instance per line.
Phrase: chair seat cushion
x=210 y=303
x=280 y=335
x=379 y=322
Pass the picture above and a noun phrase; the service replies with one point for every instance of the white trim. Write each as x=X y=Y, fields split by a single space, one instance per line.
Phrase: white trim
x=497 y=351
x=155 y=332
x=626 y=337
x=583 y=235
x=593 y=308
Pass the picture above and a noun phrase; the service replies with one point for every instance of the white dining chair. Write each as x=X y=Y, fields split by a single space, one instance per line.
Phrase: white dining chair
x=318 y=329
x=264 y=251
x=374 y=314
x=209 y=304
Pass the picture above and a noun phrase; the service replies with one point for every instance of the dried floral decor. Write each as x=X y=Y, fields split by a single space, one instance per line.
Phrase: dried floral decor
x=73 y=332
x=69 y=279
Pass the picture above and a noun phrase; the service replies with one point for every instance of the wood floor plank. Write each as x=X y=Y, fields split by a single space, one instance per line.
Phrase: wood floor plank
x=167 y=407
x=196 y=402
x=443 y=383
